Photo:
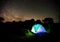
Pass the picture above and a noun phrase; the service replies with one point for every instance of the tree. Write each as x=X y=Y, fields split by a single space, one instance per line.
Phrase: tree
x=48 y=20
x=1 y=19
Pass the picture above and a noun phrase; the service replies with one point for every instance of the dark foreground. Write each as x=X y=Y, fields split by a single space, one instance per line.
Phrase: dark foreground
x=10 y=32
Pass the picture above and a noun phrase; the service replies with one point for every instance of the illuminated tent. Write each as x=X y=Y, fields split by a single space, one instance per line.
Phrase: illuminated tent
x=38 y=29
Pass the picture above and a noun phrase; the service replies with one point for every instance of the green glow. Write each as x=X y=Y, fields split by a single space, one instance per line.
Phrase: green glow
x=48 y=31
x=29 y=34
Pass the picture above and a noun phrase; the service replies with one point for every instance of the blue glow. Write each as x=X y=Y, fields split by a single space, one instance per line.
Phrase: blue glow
x=38 y=28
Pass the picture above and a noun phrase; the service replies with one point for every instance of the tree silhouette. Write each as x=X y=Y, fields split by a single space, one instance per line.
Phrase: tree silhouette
x=38 y=21
x=48 y=20
x=1 y=19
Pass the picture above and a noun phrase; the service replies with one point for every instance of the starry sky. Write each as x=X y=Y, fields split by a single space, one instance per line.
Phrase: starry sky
x=27 y=9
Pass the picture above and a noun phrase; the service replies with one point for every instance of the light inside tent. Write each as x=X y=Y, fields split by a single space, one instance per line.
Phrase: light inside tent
x=38 y=28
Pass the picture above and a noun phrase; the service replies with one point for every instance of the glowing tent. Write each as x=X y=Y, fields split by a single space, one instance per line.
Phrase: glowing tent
x=38 y=29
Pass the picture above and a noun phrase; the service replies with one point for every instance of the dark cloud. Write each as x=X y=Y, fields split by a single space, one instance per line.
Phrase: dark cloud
x=2 y=3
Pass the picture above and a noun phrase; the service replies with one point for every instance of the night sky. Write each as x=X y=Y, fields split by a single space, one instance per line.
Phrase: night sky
x=27 y=9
